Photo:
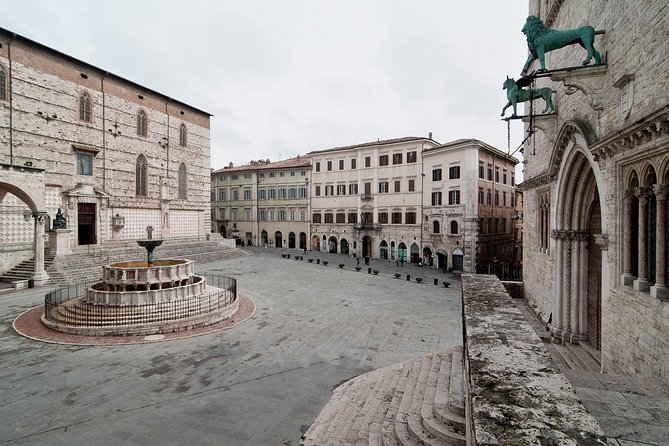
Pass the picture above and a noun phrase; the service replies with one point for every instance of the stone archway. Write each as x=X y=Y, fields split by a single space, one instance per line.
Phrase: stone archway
x=580 y=246
x=27 y=184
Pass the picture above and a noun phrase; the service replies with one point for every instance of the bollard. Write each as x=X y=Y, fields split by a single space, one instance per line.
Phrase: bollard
x=318 y=260
x=408 y=277
x=289 y=256
x=369 y=270
x=436 y=281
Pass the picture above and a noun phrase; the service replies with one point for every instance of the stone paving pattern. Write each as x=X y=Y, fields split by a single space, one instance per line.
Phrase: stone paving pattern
x=262 y=383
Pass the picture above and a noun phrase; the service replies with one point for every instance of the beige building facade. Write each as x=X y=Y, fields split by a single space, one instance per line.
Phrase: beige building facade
x=263 y=203
x=595 y=189
x=113 y=155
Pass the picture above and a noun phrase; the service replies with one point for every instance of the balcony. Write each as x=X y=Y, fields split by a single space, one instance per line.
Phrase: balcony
x=367 y=226
x=366 y=197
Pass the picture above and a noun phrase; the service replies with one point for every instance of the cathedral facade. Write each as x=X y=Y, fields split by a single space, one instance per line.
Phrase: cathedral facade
x=113 y=156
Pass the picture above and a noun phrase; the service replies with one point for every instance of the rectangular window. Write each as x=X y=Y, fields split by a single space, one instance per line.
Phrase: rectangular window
x=271 y=215
x=397 y=158
x=282 y=215
x=292 y=193
x=262 y=215
x=341 y=217
x=489 y=198
x=341 y=164
x=368 y=189
x=411 y=157
x=233 y=215
x=292 y=173
x=318 y=191
x=213 y=196
x=368 y=161
x=282 y=174
x=84 y=163
x=235 y=194
x=481 y=171
x=412 y=185
x=489 y=172
x=329 y=190
x=353 y=189
x=481 y=196
x=383 y=187
x=234 y=177
x=397 y=185
x=316 y=217
x=436 y=198
x=513 y=180
x=354 y=162
x=503 y=198
x=247 y=214
x=383 y=160
x=262 y=194
x=454 y=172
x=397 y=218
x=247 y=175
x=352 y=217
x=410 y=218
x=504 y=177
x=247 y=194
x=292 y=215
x=329 y=217
x=318 y=166
x=341 y=189
x=303 y=215
x=496 y=198
x=272 y=174
x=303 y=192
x=383 y=218
x=454 y=197
x=329 y=166
x=496 y=175
x=221 y=195
x=436 y=174
x=282 y=194
x=271 y=194
x=261 y=175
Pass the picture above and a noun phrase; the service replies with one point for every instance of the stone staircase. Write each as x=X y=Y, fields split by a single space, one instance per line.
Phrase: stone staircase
x=419 y=402
x=24 y=270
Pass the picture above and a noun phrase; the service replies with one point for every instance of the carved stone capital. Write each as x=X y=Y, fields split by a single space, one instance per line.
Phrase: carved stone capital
x=660 y=191
x=642 y=193
x=40 y=217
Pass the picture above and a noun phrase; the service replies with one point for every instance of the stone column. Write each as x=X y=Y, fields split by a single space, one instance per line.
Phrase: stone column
x=557 y=326
x=660 y=290
x=642 y=283
x=578 y=291
x=40 y=276
x=607 y=332
x=627 y=277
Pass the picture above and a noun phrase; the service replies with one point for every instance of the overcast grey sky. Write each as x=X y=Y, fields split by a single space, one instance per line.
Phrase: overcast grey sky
x=283 y=78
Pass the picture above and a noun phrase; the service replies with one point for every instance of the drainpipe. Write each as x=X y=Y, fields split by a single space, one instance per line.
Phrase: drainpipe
x=422 y=195
x=11 y=101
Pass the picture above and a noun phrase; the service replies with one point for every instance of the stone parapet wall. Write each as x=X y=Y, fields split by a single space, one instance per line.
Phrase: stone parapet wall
x=515 y=393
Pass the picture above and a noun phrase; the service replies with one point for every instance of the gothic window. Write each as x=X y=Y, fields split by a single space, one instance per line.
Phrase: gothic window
x=543 y=220
x=183 y=133
x=140 y=176
x=454 y=227
x=142 y=123
x=435 y=227
x=183 y=181
x=3 y=84
x=85 y=107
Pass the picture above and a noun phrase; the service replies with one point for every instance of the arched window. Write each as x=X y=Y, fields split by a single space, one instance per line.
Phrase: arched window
x=3 y=84
x=435 y=227
x=85 y=107
x=182 y=181
x=183 y=133
x=140 y=176
x=142 y=123
x=454 y=227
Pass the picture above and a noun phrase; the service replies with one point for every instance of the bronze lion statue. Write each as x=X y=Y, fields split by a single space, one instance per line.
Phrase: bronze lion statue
x=541 y=40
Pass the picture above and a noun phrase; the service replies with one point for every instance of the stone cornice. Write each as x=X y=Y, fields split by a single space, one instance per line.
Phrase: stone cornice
x=646 y=129
x=535 y=182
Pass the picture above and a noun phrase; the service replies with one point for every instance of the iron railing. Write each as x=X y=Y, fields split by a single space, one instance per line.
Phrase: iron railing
x=56 y=306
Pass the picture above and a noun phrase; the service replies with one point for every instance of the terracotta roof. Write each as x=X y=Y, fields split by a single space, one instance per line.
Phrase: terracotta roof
x=374 y=143
x=300 y=161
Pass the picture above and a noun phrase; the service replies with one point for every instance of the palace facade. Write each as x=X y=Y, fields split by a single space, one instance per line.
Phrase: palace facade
x=596 y=182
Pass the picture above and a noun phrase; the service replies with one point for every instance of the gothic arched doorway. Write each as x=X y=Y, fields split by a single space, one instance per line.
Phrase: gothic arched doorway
x=344 y=246
x=366 y=246
x=291 y=240
x=278 y=239
x=303 y=241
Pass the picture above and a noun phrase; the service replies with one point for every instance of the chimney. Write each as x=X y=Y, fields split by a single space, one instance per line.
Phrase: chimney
x=430 y=135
